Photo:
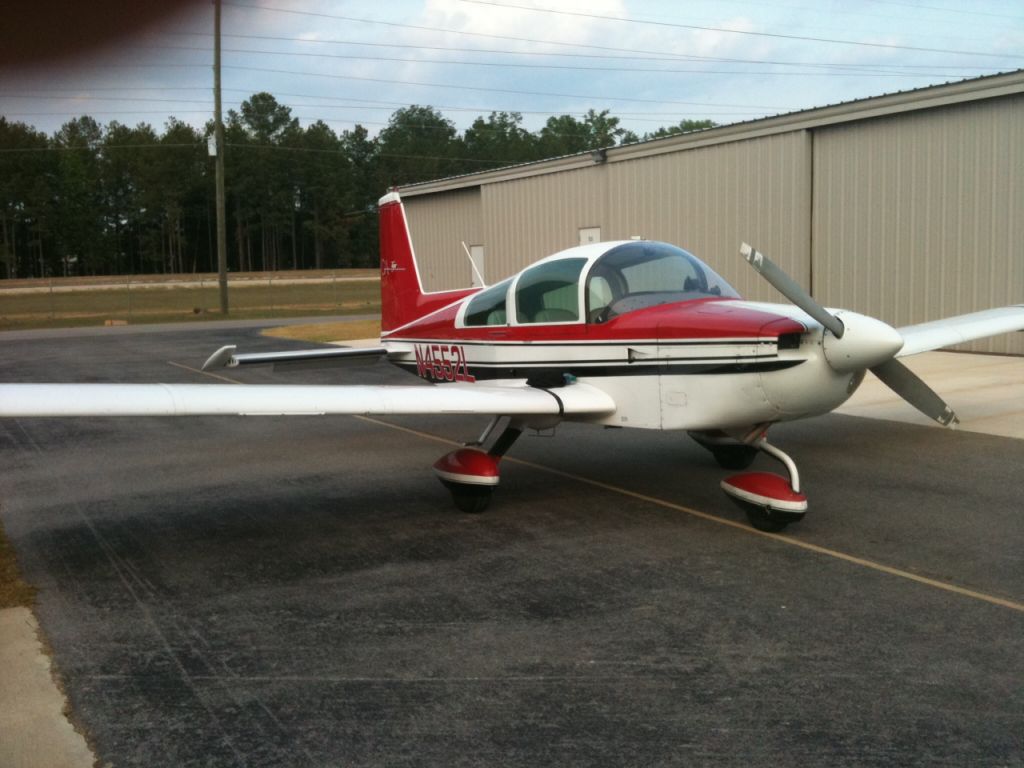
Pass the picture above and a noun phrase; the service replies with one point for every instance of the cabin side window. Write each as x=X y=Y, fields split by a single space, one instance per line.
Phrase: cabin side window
x=549 y=292
x=488 y=306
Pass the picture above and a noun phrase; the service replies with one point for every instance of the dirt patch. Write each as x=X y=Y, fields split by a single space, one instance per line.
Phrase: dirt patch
x=14 y=590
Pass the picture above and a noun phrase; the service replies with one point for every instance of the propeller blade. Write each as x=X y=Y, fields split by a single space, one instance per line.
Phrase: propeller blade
x=907 y=385
x=785 y=285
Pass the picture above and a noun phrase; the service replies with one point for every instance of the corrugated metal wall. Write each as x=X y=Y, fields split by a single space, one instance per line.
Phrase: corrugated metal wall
x=710 y=200
x=921 y=216
x=529 y=219
x=707 y=200
x=908 y=217
x=439 y=224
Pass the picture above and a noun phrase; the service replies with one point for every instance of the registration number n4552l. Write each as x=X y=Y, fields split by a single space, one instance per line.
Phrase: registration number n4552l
x=442 y=362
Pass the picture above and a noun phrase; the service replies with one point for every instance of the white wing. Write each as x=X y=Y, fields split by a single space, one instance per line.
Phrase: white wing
x=956 y=330
x=23 y=400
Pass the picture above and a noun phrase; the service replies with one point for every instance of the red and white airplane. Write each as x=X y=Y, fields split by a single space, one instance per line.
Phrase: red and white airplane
x=630 y=333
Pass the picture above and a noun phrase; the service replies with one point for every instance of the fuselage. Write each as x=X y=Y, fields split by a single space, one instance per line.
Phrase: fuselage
x=665 y=336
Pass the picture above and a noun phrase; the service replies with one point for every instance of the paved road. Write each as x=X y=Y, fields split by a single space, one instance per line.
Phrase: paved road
x=268 y=592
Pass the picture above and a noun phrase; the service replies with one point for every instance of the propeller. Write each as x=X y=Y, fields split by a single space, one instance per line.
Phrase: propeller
x=789 y=288
x=862 y=342
x=905 y=383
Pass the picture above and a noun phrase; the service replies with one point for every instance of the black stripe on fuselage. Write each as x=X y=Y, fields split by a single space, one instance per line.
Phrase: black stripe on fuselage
x=583 y=343
x=597 y=361
x=485 y=372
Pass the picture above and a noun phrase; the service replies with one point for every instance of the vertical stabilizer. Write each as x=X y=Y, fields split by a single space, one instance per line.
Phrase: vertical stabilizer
x=401 y=291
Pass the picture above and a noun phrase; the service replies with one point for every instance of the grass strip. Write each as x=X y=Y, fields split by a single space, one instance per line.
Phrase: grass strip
x=168 y=303
x=14 y=590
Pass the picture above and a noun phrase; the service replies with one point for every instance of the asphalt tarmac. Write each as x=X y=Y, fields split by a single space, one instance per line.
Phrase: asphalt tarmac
x=299 y=592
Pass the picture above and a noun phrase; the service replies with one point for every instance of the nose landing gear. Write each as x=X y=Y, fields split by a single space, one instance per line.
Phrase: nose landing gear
x=770 y=501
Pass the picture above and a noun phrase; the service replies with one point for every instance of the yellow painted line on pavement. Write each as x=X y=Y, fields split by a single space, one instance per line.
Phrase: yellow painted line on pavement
x=945 y=586
x=205 y=373
x=828 y=552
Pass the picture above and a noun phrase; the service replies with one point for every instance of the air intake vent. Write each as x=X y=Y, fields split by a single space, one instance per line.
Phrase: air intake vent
x=789 y=341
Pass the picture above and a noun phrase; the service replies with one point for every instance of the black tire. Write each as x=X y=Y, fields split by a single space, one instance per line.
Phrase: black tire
x=471 y=499
x=734 y=456
x=765 y=520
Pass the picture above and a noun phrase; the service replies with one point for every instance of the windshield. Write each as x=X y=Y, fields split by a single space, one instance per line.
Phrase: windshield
x=644 y=274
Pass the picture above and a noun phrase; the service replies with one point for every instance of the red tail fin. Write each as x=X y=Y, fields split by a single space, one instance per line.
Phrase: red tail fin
x=401 y=292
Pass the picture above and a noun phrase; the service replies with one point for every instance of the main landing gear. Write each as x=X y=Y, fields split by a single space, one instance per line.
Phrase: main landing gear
x=770 y=501
x=471 y=474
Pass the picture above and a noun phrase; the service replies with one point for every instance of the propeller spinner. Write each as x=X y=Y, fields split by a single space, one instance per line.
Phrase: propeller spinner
x=857 y=343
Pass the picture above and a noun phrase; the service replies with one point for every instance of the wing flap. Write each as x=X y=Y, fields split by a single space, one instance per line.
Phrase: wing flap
x=956 y=330
x=30 y=400
x=323 y=357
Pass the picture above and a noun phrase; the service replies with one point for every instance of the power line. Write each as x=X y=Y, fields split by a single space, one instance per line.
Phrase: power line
x=100 y=147
x=360 y=104
x=134 y=99
x=852 y=67
x=310 y=118
x=970 y=12
x=846 y=11
x=832 y=41
x=109 y=112
x=596 y=98
x=445 y=30
x=517 y=65
x=377 y=123
x=272 y=147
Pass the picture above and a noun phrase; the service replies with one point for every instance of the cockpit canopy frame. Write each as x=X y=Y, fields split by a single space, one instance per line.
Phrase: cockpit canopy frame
x=592 y=285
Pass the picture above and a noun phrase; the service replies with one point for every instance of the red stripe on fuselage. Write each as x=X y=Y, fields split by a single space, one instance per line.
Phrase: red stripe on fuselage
x=690 y=320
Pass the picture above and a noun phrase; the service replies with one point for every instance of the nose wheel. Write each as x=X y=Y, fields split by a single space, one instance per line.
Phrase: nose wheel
x=770 y=501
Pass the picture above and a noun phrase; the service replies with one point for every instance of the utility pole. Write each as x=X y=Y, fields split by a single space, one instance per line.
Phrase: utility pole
x=218 y=133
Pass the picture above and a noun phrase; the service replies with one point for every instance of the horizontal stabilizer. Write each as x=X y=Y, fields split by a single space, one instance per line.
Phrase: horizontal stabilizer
x=956 y=330
x=323 y=357
x=27 y=400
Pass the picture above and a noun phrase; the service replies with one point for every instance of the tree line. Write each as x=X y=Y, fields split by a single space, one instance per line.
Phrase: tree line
x=114 y=199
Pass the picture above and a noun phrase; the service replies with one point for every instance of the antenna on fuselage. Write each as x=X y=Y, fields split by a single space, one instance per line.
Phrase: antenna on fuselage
x=476 y=271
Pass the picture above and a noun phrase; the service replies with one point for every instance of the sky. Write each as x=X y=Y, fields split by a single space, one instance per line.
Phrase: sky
x=652 y=63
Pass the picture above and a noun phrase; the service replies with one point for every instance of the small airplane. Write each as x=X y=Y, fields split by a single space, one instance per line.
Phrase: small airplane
x=634 y=334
